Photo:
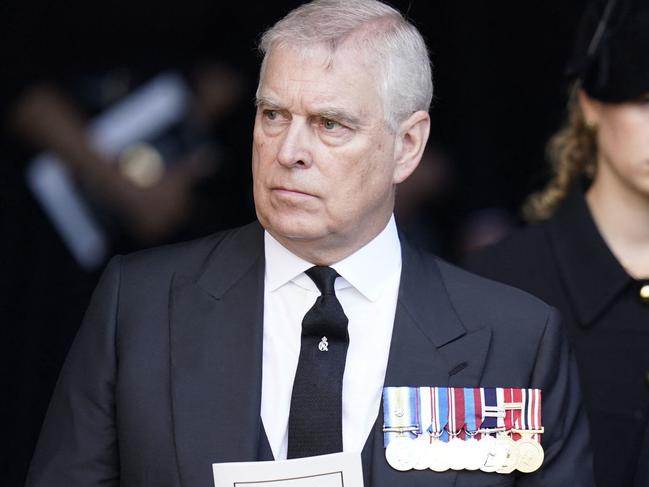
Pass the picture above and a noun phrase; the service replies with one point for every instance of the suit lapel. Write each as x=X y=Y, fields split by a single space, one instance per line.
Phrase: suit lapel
x=216 y=355
x=430 y=347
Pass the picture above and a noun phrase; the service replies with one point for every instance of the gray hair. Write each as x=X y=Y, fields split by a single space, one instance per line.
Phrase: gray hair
x=394 y=44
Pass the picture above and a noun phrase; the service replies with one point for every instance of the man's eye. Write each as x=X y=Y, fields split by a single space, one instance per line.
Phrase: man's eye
x=330 y=124
x=271 y=114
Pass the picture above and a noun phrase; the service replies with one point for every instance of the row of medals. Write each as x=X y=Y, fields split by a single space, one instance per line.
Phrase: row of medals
x=498 y=453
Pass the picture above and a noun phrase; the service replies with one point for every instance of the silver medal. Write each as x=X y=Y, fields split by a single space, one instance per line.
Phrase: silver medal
x=456 y=453
x=475 y=454
x=511 y=456
x=496 y=455
x=438 y=456
x=400 y=454
x=420 y=452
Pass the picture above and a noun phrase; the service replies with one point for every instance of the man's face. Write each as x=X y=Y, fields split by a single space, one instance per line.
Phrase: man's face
x=323 y=157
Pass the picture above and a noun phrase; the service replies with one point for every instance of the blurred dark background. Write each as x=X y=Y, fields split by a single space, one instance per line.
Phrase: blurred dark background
x=499 y=94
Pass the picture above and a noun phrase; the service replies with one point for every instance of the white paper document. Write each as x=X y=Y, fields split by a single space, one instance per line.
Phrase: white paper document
x=335 y=470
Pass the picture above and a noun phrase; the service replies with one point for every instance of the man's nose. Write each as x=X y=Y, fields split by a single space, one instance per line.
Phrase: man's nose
x=295 y=149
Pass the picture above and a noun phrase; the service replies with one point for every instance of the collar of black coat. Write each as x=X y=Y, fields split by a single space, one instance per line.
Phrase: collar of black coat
x=594 y=278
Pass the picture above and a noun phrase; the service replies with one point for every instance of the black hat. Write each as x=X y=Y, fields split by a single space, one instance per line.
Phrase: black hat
x=612 y=50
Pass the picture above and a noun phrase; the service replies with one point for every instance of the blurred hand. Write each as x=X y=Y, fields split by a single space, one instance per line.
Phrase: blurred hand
x=48 y=120
x=152 y=213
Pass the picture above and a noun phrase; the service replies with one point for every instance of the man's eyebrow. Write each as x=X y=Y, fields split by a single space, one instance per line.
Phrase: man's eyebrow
x=339 y=115
x=267 y=102
x=336 y=114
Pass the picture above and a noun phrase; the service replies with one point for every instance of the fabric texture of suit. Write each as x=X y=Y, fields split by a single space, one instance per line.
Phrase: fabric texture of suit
x=164 y=377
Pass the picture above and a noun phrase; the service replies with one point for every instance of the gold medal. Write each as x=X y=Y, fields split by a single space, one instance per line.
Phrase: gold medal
x=530 y=450
x=531 y=455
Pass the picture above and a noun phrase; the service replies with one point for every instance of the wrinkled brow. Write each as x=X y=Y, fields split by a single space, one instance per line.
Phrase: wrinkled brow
x=336 y=114
x=341 y=116
x=267 y=103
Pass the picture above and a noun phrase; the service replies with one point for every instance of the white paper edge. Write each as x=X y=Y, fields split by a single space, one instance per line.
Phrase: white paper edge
x=229 y=474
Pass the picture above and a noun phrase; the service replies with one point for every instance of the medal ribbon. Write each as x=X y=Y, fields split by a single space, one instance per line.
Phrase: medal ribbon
x=534 y=411
x=470 y=416
x=425 y=409
x=488 y=399
x=456 y=411
x=524 y=413
x=441 y=410
x=478 y=399
x=440 y=395
x=526 y=407
x=451 y=411
x=500 y=397
x=517 y=396
x=508 y=395
x=399 y=411
x=490 y=409
x=434 y=422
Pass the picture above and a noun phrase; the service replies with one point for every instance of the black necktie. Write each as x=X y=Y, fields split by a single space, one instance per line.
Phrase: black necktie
x=315 y=420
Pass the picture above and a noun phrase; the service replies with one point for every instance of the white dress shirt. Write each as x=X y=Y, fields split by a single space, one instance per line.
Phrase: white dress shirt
x=367 y=290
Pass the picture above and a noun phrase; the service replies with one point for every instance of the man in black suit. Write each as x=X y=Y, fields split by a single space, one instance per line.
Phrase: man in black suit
x=203 y=352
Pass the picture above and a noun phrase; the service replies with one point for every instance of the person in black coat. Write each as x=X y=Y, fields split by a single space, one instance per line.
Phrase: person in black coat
x=587 y=252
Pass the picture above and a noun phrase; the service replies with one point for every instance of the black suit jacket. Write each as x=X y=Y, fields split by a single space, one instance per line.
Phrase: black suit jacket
x=164 y=377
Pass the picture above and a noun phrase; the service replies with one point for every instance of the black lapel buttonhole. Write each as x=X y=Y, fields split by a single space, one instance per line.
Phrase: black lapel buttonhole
x=458 y=368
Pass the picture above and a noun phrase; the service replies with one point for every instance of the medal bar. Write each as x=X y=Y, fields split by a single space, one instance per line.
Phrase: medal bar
x=443 y=428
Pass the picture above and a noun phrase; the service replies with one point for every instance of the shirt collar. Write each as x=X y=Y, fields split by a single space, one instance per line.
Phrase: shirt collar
x=593 y=276
x=368 y=269
x=282 y=265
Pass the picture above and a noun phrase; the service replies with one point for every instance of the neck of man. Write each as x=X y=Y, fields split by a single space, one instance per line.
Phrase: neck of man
x=621 y=214
x=333 y=249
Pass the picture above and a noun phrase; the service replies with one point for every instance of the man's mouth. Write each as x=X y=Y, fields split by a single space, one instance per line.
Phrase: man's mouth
x=288 y=191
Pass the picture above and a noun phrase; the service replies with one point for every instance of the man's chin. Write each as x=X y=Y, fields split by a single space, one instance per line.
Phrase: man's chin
x=290 y=225
x=293 y=234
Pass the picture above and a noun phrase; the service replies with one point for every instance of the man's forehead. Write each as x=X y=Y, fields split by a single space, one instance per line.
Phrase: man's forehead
x=317 y=98
x=324 y=52
x=312 y=62
x=337 y=81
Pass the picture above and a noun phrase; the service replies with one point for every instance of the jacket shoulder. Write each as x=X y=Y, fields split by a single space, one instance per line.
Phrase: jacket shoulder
x=188 y=258
x=479 y=300
x=477 y=288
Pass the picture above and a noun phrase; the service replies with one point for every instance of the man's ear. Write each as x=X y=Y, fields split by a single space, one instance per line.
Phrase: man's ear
x=412 y=136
